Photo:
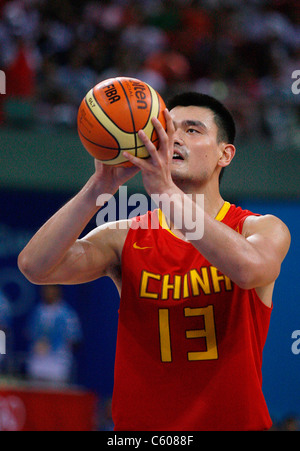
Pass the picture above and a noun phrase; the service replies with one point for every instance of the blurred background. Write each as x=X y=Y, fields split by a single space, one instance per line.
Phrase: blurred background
x=60 y=343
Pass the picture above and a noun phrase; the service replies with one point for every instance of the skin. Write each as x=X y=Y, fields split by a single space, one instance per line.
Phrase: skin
x=51 y=294
x=252 y=259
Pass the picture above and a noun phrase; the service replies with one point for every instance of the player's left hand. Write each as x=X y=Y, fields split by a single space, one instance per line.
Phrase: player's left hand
x=156 y=170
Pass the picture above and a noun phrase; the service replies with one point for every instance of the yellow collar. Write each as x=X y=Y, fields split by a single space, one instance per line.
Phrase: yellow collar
x=220 y=216
x=223 y=212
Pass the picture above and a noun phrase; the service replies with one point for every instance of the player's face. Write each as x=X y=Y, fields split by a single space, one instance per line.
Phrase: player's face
x=196 y=149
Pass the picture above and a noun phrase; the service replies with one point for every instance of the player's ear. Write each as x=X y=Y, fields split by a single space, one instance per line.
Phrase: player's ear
x=227 y=154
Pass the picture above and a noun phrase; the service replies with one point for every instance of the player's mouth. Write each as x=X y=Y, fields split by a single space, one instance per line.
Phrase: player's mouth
x=177 y=156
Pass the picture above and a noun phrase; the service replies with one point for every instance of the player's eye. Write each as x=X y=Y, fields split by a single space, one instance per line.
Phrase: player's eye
x=192 y=131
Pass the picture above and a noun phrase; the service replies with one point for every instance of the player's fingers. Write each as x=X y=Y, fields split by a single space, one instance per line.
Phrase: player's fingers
x=170 y=123
x=170 y=131
x=138 y=162
x=161 y=132
x=162 y=136
x=149 y=146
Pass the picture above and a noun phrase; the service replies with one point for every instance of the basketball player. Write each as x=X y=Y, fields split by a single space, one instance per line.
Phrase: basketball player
x=194 y=315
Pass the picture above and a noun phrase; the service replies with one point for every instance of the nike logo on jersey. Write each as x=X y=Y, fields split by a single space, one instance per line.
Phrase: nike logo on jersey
x=140 y=248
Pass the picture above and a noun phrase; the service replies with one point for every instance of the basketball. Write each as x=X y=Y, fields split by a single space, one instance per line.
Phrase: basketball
x=112 y=113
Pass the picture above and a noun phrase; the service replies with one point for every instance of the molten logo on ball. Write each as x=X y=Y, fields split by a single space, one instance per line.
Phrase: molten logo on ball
x=112 y=113
x=140 y=94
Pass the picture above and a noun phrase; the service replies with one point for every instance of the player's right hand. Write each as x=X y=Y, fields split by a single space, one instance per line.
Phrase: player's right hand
x=110 y=178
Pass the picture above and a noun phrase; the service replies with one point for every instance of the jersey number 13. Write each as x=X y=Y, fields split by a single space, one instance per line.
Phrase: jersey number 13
x=208 y=333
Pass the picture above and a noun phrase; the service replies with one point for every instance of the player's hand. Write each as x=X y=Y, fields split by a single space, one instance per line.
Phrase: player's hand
x=110 y=178
x=156 y=170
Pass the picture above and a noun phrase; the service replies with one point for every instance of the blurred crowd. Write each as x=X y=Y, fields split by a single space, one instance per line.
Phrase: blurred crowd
x=53 y=334
x=241 y=51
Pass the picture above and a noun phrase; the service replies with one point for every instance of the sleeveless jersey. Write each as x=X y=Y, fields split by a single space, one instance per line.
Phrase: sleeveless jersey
x=190 y=341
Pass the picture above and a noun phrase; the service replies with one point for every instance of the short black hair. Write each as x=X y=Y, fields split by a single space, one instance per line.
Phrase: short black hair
x=223 y=118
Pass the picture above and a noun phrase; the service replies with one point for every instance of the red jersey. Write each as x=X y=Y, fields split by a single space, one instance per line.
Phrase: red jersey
x=190 y=341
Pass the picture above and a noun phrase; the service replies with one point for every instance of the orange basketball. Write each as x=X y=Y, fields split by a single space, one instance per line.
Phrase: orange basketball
x=112 y=113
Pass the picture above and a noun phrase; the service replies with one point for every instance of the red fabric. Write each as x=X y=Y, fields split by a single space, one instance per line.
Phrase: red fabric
x=20 y=76
x=41 y=410
x=2 y=4
x=189 y=348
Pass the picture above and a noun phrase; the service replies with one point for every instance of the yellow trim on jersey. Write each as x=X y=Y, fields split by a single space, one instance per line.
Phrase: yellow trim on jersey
x=220 y=216
x=223 y=212
x=164 y=224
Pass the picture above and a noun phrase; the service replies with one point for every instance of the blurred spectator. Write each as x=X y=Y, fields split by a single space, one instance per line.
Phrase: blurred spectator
x=243 y=53
x=20 y=74
x=5 y=313
x=5 y=324
x=289 y=424
x=106 y=422
x=54 y=332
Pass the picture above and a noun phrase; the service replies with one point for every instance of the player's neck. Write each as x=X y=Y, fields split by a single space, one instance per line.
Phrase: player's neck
x=213 y=200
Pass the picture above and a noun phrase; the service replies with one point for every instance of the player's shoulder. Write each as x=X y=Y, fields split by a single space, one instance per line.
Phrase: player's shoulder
x=267 y=224
x=116 y=227
x=267 y=220
x=109 y=235
x=119 y=229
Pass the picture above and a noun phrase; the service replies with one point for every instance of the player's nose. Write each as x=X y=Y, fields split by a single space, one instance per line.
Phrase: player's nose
x=178 y=137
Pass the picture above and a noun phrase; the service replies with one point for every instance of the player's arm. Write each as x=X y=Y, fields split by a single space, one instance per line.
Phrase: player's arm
x=96 y=255
x=270 y=239
x=56 y=255
x=252 y=259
